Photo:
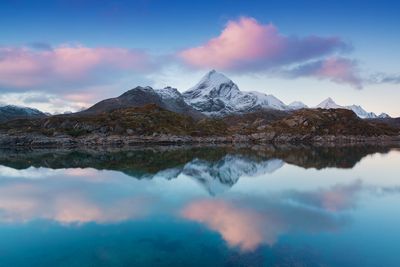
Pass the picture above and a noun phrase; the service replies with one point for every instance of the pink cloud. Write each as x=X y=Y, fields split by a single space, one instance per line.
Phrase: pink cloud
x=251 y=221
x=27 y=67
x=340 y=70
x=238 y=227
x=26 y=202
x=86 y=97
x=248 y=45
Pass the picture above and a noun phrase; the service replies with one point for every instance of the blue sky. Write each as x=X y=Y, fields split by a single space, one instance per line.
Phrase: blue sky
x=60 y=55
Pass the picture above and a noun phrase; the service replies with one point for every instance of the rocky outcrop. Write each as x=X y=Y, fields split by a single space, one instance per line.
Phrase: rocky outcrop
x=95 y=140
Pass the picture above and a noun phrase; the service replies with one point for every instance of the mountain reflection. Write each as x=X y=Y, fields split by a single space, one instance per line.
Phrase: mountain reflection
x=218 y=176
x=68 y=187
x=216 y=168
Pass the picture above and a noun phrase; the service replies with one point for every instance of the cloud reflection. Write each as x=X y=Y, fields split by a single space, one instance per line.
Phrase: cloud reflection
x=69 y=202
x=247 y=222
x=336 y=198
x=239 y=227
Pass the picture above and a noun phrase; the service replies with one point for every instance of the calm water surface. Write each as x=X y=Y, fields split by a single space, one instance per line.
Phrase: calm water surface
x=193 y=206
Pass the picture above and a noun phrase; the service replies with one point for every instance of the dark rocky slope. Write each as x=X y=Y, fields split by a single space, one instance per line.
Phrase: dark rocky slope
x=11 y=112
x=167 y=98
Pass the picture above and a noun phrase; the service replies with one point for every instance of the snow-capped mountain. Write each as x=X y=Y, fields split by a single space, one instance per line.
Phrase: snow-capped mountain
x=329 y=103
x=297 y=105
x=362 y=113
x=173 y=100
x=383 y=116
x=10 y=112
x=214 y=95
x=217 y=95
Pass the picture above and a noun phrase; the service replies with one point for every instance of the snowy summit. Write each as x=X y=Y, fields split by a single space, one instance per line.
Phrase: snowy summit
x=217 y=95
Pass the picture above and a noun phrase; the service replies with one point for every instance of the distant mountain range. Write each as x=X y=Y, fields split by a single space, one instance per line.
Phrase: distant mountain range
x=13 y=112
x=214 y=95
x=217 y=95
x=362 y=113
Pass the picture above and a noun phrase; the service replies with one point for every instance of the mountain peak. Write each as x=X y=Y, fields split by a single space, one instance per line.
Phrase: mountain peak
x=328 y=103
x=384 y=116
x=218 y=95
x=169 y=93
x=214 y=78
x=330 y=100
x=212 y=85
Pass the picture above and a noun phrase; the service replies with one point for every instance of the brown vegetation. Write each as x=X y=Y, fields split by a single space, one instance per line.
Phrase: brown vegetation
x=151 y=120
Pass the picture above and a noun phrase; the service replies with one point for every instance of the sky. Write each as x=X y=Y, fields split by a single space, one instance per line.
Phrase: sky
x=64 y=55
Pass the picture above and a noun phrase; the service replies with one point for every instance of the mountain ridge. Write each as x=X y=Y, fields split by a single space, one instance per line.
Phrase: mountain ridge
x=329 y=103
x=168 y=98
x=151 y=124
x=214 y=95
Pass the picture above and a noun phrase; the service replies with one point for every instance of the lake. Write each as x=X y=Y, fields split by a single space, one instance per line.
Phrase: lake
x=201 y=206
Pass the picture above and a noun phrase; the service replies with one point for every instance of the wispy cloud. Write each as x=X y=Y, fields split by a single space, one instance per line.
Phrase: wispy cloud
x=378 y=78
x=335 y=69
x=40 y=65
x=339 y=197
x=68 y=77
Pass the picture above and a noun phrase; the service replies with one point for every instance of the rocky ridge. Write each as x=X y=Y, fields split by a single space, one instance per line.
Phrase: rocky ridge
x=152 y=124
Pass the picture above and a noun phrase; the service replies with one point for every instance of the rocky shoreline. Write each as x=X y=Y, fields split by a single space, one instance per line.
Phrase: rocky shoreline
x=96 y=140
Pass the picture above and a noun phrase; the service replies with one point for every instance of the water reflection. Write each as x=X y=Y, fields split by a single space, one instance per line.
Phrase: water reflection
x=68 y=201
x=247 y=221
x=249 y=197
x=250 y=221
x=216 y=168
